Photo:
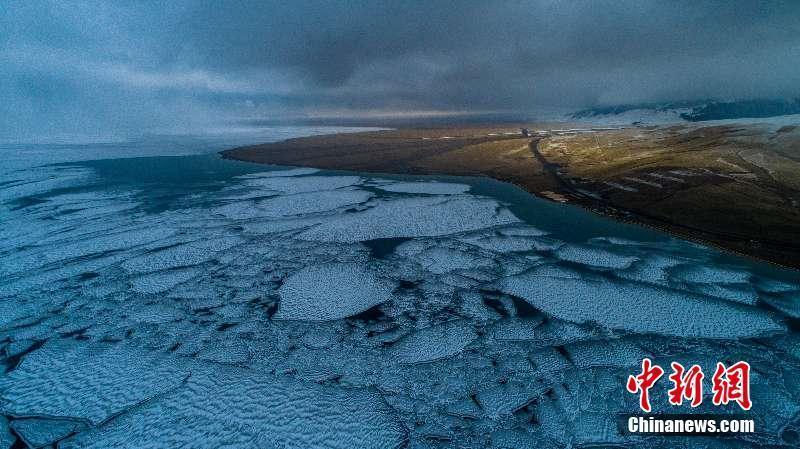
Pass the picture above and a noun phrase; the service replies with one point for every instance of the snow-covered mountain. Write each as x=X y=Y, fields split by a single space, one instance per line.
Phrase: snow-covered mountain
x=691 y=111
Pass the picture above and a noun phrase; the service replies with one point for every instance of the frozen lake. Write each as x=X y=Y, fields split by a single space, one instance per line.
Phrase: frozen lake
x=155 y=295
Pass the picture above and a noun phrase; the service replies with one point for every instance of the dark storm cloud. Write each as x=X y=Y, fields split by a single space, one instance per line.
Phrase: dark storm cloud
x=140 y=64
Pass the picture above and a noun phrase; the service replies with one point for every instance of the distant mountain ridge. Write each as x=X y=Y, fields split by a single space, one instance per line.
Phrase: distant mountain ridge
x=743 y=109
x=623 y=108
x=692 y=111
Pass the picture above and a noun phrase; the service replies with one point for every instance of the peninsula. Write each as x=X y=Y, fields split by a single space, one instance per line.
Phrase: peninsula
x=735 y=186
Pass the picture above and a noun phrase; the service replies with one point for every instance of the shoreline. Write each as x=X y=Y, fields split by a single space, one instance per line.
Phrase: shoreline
x=531 y=172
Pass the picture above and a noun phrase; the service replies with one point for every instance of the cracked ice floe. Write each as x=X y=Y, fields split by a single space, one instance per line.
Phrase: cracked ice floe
x=72 y=231
x=548 y=360
x=282 y=173
x=522 y=231
x=774 y=286
x=589 y=428
x=472 y=306
x=85 y=247
x=40 y=432
x=435 y=342
x=412 y=217
x=304 y=184
x=743 y=293
x=508 y=397
x=787 y=303
x=295 y=204
x=234 y=351
x=588 y=354
x=155 y=313
x=44 y=180
x=89 y=382
x=223 y=407
x=15 y=309
x=306 y=203
x=330 y=292
x=444 y=260
x=709 y=275
x=465 y=408
x=281 y=225
x=193 y=253
x=652 y=268
x=557 y=271
x=515 y=439
x=515 y=329
x=96 y=211
x=41 y=278
x=504 y=244
x=608 y=240
x=162 y=281
x=431 y=188
x=640 y=308
x=220 y=315
x=594 y=257
x=6 y=438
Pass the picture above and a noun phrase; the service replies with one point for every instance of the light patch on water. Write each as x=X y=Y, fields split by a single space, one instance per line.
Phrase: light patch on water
x=295 y=204
x=253 y=409
x=431 y=188
x=6 y=438
x=329 y=292
x=282 y=173
x=434 y=343
x=40 y=432
x=594 y=257
x=640 y=308
x=90 y=382
x=302 y=184
x=412 y=217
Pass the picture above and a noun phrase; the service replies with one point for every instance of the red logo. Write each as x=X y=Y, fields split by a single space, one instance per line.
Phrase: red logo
x=644 y=382
x=731 y=384
x=686 y=385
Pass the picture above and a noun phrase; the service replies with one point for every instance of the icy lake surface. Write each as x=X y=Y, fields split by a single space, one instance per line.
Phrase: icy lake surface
x=181 y=300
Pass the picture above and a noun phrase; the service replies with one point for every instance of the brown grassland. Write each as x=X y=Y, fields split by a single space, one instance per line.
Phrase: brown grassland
x=734 y=186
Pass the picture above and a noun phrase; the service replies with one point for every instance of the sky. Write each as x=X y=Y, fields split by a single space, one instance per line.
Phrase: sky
x=124 y=67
